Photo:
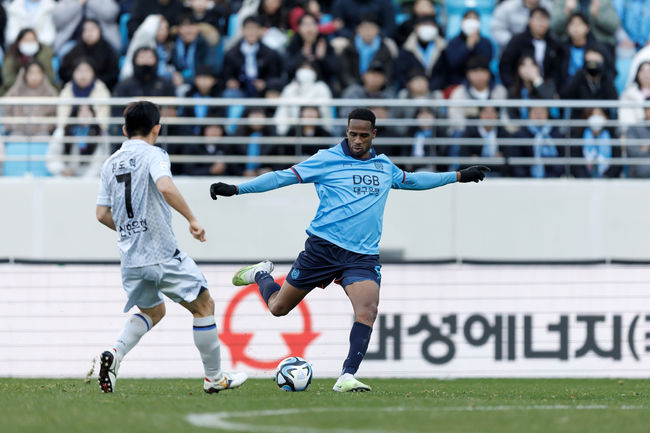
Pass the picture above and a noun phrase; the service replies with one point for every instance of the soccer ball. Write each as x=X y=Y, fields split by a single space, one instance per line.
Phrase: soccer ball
x=293 y=374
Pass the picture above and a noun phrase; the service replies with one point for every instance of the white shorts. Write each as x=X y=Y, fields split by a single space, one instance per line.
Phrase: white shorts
x=179 y=279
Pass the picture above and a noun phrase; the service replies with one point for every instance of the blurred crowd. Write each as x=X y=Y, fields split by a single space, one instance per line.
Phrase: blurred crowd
x=309 y=50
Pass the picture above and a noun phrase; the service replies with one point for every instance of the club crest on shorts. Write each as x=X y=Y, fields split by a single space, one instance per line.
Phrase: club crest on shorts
x=295 y=273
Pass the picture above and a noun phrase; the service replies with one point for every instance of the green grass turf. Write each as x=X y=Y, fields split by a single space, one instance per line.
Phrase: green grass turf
x=394 y=405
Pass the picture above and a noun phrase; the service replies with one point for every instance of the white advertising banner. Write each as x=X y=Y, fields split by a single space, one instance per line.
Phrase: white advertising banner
x=444 y=321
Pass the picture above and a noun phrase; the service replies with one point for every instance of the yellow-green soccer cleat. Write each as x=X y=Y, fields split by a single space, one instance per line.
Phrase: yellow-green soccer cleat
x=246 y=275
x=348 y=383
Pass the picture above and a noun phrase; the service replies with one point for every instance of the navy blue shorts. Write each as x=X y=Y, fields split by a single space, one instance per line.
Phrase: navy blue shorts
x=323 y=262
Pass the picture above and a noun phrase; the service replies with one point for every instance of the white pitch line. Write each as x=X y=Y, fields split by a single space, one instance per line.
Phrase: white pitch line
x=219 y=420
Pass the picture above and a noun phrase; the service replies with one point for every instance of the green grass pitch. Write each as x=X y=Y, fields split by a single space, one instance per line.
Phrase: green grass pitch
x=394 y=405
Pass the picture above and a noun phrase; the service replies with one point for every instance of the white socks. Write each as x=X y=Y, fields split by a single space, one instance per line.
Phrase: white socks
x=134 y=329
x=206 y=339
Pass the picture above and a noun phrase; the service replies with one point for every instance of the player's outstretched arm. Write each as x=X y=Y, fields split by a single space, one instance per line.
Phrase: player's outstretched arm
x=175 y=199
x=105 y=216
x=265 y=182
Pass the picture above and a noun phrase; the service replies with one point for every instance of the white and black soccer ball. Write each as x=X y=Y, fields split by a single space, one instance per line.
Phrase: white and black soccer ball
x=293 y=374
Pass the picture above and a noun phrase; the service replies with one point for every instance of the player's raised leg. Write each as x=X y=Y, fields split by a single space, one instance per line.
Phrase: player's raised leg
x=280 y=300
x=135 y=327
x=206 y=340
x=364 y=296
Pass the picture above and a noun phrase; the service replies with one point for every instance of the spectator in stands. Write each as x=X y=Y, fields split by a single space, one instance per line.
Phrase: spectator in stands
x=421 y=8
x=417 y=88
x=535 y=40
x=543 y=145
x=421 y=50
x=479 y=85
x=32 y=82
x=212 y=18
x=67 y=141
x=312 y=7
x=578 y=38
x=26 y=49
x=274 y=17
x=639 y=150
x=253 y=147
x=250 y=64
x=638 y=91
x=375 y=86
x=141 y=9
x=596 y=148
x=69 y=16
x=144 y=82
x=191 y=50
x=634 y=20
x=488 y=136
x=593 y=81
x=84 y=84
x=350 y=13
x=210 y=147
x=421 y=134
x=33 y=14
x=529 y=84
x=92 y=45
x=206 y=85
x=153 y=33
x=308 y=130
x=511 y=17
x=305 y=85
x=603 y=20
x=309 y=44
x=450 y=70
x=365 y=47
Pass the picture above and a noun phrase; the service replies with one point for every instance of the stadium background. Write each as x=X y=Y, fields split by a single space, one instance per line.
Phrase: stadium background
x=509 y=278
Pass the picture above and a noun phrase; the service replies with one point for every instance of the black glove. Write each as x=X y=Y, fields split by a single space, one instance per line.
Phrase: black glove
x=221 y=188
x=473 y=173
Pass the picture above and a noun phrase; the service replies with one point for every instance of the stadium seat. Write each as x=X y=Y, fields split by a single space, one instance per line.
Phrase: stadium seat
x=458 y=7
x=26 y=150
x=124 y=31
x=623 y=70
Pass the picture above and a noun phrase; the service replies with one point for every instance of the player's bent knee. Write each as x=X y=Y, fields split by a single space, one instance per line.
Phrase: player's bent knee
x=278 y=310
x=367 y=314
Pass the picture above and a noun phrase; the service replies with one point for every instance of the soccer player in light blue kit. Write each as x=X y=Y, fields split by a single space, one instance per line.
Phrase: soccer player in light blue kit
x=352 y=183
x=134 y=199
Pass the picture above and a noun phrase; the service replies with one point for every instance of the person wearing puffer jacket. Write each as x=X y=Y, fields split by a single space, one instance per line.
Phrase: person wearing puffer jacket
x=35 y=14
x=68 y=15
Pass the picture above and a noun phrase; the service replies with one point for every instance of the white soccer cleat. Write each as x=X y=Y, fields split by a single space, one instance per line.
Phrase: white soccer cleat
x=246 y=275
x=108 y=371
x=225 y=381
x=348 y=383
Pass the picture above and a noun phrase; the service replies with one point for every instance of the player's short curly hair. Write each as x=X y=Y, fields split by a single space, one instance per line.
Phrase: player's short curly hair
x=362 y=114
x=140 y=117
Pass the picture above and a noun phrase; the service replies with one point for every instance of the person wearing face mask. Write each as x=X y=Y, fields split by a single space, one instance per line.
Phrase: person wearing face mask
x=26 y=48
x=596 y=148
x=145 y=82
x=593 y=81
x=452 y=65
x=421 y=50
x=305 y=86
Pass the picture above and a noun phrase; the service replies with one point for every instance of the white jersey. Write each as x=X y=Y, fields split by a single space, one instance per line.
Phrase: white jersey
x=141 y=215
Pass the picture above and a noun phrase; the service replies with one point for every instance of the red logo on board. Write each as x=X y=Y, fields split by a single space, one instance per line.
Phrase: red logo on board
x=238 y=342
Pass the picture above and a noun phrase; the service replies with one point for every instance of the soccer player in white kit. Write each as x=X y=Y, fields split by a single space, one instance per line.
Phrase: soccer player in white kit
x=134 y=199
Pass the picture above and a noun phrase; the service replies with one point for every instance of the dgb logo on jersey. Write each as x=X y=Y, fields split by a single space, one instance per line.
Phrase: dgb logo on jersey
x=365 y=179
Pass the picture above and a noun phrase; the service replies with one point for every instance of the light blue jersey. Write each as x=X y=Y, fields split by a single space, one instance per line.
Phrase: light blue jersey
x=352 y=193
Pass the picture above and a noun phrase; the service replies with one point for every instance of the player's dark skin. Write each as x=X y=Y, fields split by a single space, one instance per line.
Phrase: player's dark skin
x=360 y=135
